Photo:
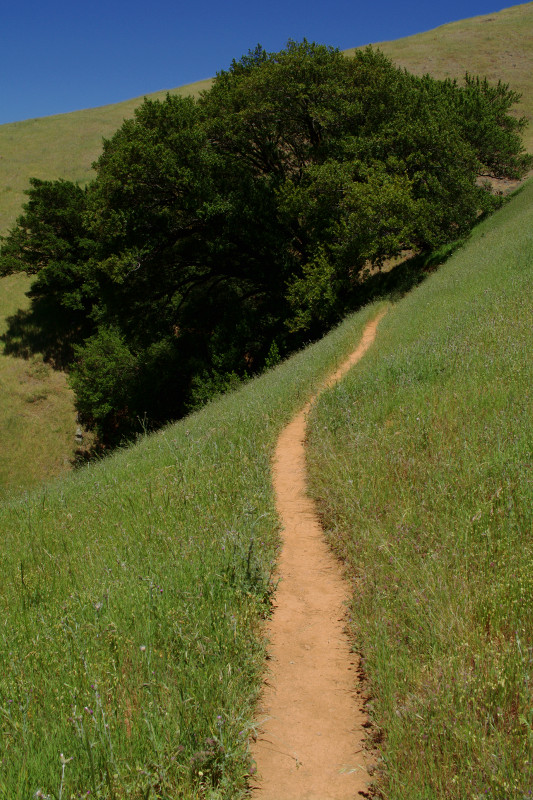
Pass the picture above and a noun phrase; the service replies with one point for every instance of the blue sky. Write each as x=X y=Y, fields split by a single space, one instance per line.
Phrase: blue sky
x=58 y=56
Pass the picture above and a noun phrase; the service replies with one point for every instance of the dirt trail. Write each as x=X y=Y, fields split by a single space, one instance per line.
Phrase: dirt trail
x=310 y=741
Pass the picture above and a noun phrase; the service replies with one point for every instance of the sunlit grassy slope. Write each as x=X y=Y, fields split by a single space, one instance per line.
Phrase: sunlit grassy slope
x=131 y=591
x=130 y=598
x=422 y=462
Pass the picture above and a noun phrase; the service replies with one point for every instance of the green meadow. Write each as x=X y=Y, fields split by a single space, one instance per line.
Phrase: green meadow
x=133 y=589
x=131 y=598
x=421 y=462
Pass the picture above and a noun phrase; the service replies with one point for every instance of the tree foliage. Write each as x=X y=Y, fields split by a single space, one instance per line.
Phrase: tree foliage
x=219 y=231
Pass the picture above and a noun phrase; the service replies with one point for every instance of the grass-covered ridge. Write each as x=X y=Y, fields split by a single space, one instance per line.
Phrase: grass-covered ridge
x=130 y=598
x=421 y=461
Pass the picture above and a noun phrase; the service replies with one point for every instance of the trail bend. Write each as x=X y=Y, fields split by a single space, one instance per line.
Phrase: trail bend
x=310 y=721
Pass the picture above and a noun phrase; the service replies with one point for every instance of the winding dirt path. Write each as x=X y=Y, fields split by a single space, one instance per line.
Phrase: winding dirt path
x=310 y=740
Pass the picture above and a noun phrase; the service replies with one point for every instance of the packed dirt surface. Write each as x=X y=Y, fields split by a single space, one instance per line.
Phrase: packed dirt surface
x=310 y=740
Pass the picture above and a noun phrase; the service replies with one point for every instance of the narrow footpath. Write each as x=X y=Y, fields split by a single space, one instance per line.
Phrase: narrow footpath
x=310 y=739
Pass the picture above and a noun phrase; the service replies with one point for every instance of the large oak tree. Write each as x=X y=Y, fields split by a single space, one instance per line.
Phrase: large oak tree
x=220 y=231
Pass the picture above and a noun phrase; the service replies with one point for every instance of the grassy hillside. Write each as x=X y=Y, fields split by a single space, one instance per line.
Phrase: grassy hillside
x=421 y=461
x=132 y=590
x=130 y=598
x=498 y=45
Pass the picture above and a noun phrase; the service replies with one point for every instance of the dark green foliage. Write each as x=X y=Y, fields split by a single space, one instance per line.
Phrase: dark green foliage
x=216 y=228
x=103 y=377
x=50 y=231
x=51 y=241
x=483 y=113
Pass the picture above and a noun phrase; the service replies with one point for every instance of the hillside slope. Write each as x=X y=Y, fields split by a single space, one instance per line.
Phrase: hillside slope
x=37 y=416
x=421 y=461
x=141 y=579
x=131 y=597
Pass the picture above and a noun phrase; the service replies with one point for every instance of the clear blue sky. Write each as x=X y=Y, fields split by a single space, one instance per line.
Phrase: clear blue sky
x=58 y=56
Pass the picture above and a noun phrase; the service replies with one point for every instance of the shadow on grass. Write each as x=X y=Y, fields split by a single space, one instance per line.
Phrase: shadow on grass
x=48 y=329
x=397 y=281
x=95 y=451
x=43 y=329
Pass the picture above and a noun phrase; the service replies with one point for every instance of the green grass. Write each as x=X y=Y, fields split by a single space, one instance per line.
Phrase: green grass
x=37 y=417
x=130 y=599
x=422 y=464
x=131 y=590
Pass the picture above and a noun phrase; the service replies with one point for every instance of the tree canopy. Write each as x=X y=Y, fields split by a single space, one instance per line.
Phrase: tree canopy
x=219 y=232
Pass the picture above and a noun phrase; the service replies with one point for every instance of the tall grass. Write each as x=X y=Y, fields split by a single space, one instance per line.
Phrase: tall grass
x=130 y=600
x=422 y=463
